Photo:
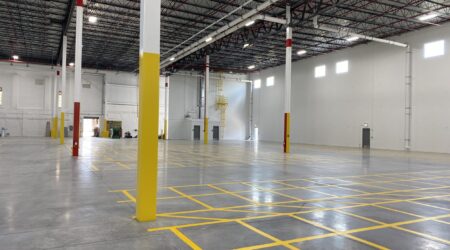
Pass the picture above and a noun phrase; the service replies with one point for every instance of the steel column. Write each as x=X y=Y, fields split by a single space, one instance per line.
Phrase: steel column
x=77 y=83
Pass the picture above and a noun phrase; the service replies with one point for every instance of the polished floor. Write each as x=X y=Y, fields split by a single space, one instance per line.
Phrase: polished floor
x=228 y=195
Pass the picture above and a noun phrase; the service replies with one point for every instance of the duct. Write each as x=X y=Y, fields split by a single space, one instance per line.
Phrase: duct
x=212 y=77
x=322 y=27
x=218 y=34
x=209 y=26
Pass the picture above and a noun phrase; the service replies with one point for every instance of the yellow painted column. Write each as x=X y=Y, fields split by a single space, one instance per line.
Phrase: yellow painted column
x=105 y=131
x=55 y=127
x=205 y=126
x=149 y=59
x=61 y=129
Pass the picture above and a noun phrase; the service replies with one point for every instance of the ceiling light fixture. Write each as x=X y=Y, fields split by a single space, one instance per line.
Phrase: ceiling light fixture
x=71 y=64
x=172 y=59
x=301 y=52
x=352 y=38
x=92 y=19
x=428 y=16
x=251 y=67
x=246 y=45
x=250 y=23
x=15 y=57
x=209 y=39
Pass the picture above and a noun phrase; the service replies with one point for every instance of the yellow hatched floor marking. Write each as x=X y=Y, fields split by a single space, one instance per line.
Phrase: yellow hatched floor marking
x=256 y=230
x=94 y=168
x=191 y=198
x=233 y=194
x=340 y=233
x=185 y=239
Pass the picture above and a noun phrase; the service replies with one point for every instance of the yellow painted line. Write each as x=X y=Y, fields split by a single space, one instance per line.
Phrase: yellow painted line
x=122 y=165
x=274 y=244
x=184 y=226
x=127 y=194
x=233 y=194
x=94 y=168
x=264 y=234
x=190 y=198
x=185 y=239
x=194 y=217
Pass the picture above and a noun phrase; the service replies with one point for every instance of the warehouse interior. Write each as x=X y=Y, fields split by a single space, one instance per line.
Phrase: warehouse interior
x=224 y=124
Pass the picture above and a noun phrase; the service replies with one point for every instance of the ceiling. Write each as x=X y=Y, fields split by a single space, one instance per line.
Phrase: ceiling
x=33 y=29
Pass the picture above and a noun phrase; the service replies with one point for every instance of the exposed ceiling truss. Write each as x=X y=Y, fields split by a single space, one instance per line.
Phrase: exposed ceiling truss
x=33 y=29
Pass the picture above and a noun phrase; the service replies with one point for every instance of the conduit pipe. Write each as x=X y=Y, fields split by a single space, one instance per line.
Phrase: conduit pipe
x=408 y=98
x=370 y=38
x=220 y=33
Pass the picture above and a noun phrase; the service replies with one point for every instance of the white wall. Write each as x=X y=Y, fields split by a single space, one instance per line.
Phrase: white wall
x=27 y=107
x=333 y=109
x=183 y=106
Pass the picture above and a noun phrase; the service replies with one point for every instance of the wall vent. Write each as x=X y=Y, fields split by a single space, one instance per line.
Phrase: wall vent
x=86 y=85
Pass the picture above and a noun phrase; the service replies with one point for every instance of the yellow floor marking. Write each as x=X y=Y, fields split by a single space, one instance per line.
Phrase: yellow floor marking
x=94 y=168
x=233 y=194
x=192 y=199
x=122 y=165
x=193 y=217
x=185 y=239
x=268 y=236
x=339 y=232
x=127 y=194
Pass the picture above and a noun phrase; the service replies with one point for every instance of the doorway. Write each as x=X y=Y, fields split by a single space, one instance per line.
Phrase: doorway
x=91 y=127
x=196 y=132
x=216 y=130
x=366 y=138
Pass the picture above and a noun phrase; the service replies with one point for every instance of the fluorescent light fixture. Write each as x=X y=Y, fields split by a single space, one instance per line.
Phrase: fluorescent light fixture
x=250 y=23
x=92 y=19
x=301 y=52
x=172 y=59
x=246 y=45
x=15 y=57
x=71 y=64
x=428 y=16
x=352 y=38
x=251 y=67
x=209 y=39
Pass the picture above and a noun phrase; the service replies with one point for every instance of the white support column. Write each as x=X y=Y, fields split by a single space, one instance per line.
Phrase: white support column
x=205 y=118
x=77 y=83
x=287 y=85
x=166 y=107
x=63 y=89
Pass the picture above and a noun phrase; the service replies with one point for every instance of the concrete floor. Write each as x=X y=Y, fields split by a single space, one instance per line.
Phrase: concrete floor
x=232 y=195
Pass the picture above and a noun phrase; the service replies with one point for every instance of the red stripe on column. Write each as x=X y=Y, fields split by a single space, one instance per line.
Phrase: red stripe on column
x=79 y=2
x=289 y=43
x=76 y=128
